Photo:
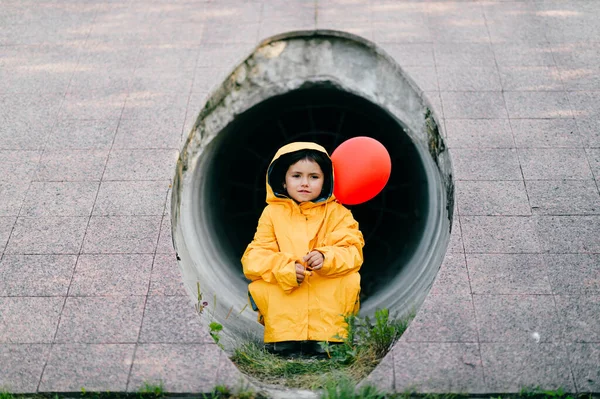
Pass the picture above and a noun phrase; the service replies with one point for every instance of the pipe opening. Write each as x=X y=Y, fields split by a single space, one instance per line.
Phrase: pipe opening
x=392 y=223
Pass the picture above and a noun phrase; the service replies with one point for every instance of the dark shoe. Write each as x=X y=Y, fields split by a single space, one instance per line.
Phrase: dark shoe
x=313 y=348
x=283 y=348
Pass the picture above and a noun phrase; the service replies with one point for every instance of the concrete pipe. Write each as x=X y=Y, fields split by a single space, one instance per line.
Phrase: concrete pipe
x=326 y=87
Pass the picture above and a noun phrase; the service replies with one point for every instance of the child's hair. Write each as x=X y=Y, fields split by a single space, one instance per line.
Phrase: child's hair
x=280 y=167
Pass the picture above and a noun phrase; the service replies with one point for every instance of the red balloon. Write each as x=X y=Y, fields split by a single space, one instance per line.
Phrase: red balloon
x=361 y=167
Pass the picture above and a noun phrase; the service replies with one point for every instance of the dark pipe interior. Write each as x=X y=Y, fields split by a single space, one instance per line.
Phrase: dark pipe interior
x=392 y=223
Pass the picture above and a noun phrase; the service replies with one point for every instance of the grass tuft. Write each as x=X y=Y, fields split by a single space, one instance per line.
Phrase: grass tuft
x=365 y=344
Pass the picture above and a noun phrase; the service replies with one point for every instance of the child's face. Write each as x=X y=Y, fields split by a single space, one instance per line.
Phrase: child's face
x=304 y=180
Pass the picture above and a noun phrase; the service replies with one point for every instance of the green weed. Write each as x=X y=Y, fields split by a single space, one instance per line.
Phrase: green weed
x=148 y=390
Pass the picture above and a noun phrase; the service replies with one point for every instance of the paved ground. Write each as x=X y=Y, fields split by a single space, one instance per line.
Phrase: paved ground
x=95 y=97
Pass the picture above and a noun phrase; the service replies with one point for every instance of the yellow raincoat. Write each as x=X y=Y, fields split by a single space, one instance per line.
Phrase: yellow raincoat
x=286 y=232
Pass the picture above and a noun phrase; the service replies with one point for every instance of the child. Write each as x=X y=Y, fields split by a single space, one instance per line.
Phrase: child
x=305 y=256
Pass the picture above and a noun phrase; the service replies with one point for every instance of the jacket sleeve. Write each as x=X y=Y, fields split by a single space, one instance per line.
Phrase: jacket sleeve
x=263 y=260
x=343 y=250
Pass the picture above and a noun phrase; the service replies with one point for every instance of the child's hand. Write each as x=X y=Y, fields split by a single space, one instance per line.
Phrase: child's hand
x=314 y=260
x=299 y=273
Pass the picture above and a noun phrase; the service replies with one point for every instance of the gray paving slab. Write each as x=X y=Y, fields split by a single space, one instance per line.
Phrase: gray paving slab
x=122 y=234
x=444 y=318
x=47 y=235
x=29 y=320
x=510 y=367
x=60 y=199
x=517 y=318
x=181 y=367
x=36 y=275
x=504 y=274
x=88 y=368
x=492 y=198
x=479 y=133
x=172 y=320
x=21 y=366
x=572 y=274
x=82 y=134
x=96 y=98
x=101 y=320
x=563 y=197
x=112 y=274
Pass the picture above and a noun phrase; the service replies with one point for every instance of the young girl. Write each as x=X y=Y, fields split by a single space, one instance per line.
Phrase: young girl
x=305 y=255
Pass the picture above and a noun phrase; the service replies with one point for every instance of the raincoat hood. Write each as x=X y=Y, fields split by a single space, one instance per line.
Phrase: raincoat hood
x=276 y=194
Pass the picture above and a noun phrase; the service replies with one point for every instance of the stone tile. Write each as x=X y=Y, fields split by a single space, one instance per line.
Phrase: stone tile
x=294 y=9
x=435 y=102
x=29 y=320
x=491 y=164
x=459 y=78
x=166 y=278
x=101 y=320
x=517 y=24
x=504 y=274
x=456 y=242
x=12 y=195
x=98 y=275
x=142 y=134
x=589 y=132
x=584 y=104
x=554 y=164
x=382 y=377
x=580 y=78
x=93 y=104
x=573 y=274
x=31 y=111
x=511 y=366
x=458 y=30
x=569 y=234
x=579 y=317
x=517 y=318
x=444 y=318
x=479 y=133
x=129 y=198
x=576 y=54
x=170 y=320
x=500 y=234
x=60 y=199
x=523 y=54
x=72 y=165
x=222 y=55
x=18 y=166
x=163 y=81
x=165 y=241
x=464 y=54
x=6 y=226
x=273 y=27
x=121 y=234
x=24 y=134
x=21 y=366
x=228 y=11
x=95 y=368
x=246 y=33
x=141 y=165
x=398 y=31
x=177 y=366
x=112 y=81
x=438 y=367
x=209 y=78
x=31 y=79
x=473 y=105
x=531 y=78
x=537 y=104
x=584 y=365
x=146 y=105
x=410 y=54
x=545 y=133
x=492 y=198
x=47 y=235
x=563 y=197
x=167 y=58
x=593 y=156
x=424 y=76
x=36 y=275
x=452 y=278
x=82 y=134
